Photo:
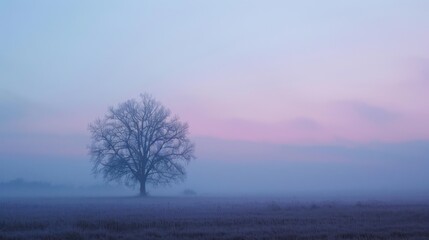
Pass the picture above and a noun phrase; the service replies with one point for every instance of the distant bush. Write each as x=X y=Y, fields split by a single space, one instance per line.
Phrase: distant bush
x=189 y=192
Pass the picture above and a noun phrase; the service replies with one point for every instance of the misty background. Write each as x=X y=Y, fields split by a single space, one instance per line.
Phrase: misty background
x=282 y=97
x=238 y=168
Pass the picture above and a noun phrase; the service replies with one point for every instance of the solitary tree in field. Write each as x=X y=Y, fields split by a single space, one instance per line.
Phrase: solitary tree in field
x=139 y=141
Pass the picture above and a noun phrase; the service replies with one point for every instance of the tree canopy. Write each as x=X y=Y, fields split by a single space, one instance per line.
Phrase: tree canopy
x=139 y=141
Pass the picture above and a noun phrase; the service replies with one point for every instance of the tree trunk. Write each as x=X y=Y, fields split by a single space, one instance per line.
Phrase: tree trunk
x=143 y=192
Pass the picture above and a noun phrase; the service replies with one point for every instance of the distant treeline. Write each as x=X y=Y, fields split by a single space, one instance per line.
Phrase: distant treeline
x=20 y=187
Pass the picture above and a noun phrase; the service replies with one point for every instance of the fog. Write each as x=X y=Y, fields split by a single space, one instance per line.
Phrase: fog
x=240 y=168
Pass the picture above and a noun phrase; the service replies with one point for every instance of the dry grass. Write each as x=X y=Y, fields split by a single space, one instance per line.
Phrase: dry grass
x=208 y=218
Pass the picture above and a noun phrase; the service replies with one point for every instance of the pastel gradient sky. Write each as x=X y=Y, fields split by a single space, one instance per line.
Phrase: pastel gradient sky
x=283 y=72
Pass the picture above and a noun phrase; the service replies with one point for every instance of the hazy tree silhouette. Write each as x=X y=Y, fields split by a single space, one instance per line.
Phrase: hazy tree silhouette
x=140 y=142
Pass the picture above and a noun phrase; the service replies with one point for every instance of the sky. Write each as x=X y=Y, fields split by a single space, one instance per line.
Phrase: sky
x=303 y=76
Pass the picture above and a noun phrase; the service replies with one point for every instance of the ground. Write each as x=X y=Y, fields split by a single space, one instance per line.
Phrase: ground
x=209 y=218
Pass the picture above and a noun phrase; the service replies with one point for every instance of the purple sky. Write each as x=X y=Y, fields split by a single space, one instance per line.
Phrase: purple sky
x=301 y=73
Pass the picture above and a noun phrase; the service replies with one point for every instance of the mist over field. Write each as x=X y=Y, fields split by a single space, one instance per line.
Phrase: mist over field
x=240 y=168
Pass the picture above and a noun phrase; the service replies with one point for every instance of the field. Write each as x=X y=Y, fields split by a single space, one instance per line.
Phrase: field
x=209 y=218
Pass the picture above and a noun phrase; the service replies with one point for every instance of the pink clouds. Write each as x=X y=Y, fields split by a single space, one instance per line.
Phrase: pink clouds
x=340 y=121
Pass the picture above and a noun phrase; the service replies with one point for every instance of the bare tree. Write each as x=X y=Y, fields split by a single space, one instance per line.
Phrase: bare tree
x=140 y=142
